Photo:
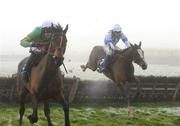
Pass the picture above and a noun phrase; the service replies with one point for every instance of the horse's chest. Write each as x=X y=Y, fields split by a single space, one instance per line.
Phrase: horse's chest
x=48 y=90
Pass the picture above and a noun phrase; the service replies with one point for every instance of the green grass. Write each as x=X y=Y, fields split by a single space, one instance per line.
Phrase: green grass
x=165 y=114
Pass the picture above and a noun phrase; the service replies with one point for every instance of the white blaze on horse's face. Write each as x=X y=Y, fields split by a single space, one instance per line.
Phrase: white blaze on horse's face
x=140 y=52
x=143 y=64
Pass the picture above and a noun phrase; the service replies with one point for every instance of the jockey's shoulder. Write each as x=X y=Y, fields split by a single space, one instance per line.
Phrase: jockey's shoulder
x=36 y=32
x=109 y=33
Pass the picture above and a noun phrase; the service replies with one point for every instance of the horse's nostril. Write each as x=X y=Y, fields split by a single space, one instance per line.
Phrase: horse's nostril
x=144 y=67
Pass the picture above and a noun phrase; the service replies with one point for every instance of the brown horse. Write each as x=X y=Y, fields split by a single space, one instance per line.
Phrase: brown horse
x=121 y=68
x=46 y=80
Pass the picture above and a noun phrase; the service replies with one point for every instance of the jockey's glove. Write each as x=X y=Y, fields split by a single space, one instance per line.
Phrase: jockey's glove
x=35 y=45
x=111 y=46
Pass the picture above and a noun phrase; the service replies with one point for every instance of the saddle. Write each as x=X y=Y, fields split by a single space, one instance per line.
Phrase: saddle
x=111 y=60
x=33 y=60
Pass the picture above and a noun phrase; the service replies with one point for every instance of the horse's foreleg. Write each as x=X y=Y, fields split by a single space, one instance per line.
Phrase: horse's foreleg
x=66 y=112
x=65 y=105
x=33 y=118
x=125 y=91
x=83 y=67
x=138 y=92
x=47 y=113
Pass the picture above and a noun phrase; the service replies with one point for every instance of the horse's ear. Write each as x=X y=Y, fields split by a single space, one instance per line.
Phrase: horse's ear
x=59 y=25
x=136 y=46
x=140 y=44
x=66 y=28
x=131 y=44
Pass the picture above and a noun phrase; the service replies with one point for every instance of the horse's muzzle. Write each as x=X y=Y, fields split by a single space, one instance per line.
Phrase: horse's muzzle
x=143 y=65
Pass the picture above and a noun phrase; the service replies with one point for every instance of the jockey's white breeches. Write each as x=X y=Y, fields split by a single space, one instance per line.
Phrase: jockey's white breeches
x=37 y=49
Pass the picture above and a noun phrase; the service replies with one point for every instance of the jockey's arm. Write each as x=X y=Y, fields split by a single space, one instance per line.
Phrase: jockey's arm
x=108 y=41
x=31 y=38
x=110 y=44
x=26 y=42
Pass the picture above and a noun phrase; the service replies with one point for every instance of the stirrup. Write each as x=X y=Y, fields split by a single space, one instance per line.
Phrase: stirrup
x=100 y=70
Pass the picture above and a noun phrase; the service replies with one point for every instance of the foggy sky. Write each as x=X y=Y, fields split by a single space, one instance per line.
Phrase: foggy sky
x=154 y=22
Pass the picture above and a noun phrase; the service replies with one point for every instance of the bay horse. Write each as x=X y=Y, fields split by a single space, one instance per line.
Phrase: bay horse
x=121 y=69
x=46 y=79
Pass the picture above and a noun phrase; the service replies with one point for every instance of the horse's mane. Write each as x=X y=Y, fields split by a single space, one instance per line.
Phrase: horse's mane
x=57 y=29
x=122 y=51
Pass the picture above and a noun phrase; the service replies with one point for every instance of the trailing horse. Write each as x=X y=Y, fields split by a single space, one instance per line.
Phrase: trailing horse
x=121 y=69
x=46 y=80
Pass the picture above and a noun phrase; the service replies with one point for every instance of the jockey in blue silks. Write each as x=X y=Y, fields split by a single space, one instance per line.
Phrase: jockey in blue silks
x=110 y=41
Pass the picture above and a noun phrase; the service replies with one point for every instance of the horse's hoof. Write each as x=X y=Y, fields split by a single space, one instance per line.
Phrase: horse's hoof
x=50 y=124
x=32 y=119
x=83 y=68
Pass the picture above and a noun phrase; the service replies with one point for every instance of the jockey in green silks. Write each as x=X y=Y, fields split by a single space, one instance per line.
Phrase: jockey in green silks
x=36 y=40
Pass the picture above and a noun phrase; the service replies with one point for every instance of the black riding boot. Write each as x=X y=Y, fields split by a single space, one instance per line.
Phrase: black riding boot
x=104 y=64
x=26 y=72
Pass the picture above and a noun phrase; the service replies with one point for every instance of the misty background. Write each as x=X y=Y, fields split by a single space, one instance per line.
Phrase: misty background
x=154 y=22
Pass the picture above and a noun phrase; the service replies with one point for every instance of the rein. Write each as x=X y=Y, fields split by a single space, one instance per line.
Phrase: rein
x=122 y=53
x=49 y=48
x=60 y=44
x=61 y=40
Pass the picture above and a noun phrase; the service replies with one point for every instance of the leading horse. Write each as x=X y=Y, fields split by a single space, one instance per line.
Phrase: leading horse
x=121 y=69
x=46 y=80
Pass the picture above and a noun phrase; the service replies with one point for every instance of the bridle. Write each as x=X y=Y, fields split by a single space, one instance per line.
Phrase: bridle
x=60 y=44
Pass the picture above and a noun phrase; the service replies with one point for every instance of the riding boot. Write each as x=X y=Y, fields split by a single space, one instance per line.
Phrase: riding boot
x=26 y=72
x=104 y=64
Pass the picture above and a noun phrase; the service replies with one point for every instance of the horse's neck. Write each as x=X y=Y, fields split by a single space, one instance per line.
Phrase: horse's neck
x=47 y=65
x=128 y=54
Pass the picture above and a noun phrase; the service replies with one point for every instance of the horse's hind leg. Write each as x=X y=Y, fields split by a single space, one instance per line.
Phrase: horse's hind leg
x=47 y=113
x=84 y=67
x=22 y=107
